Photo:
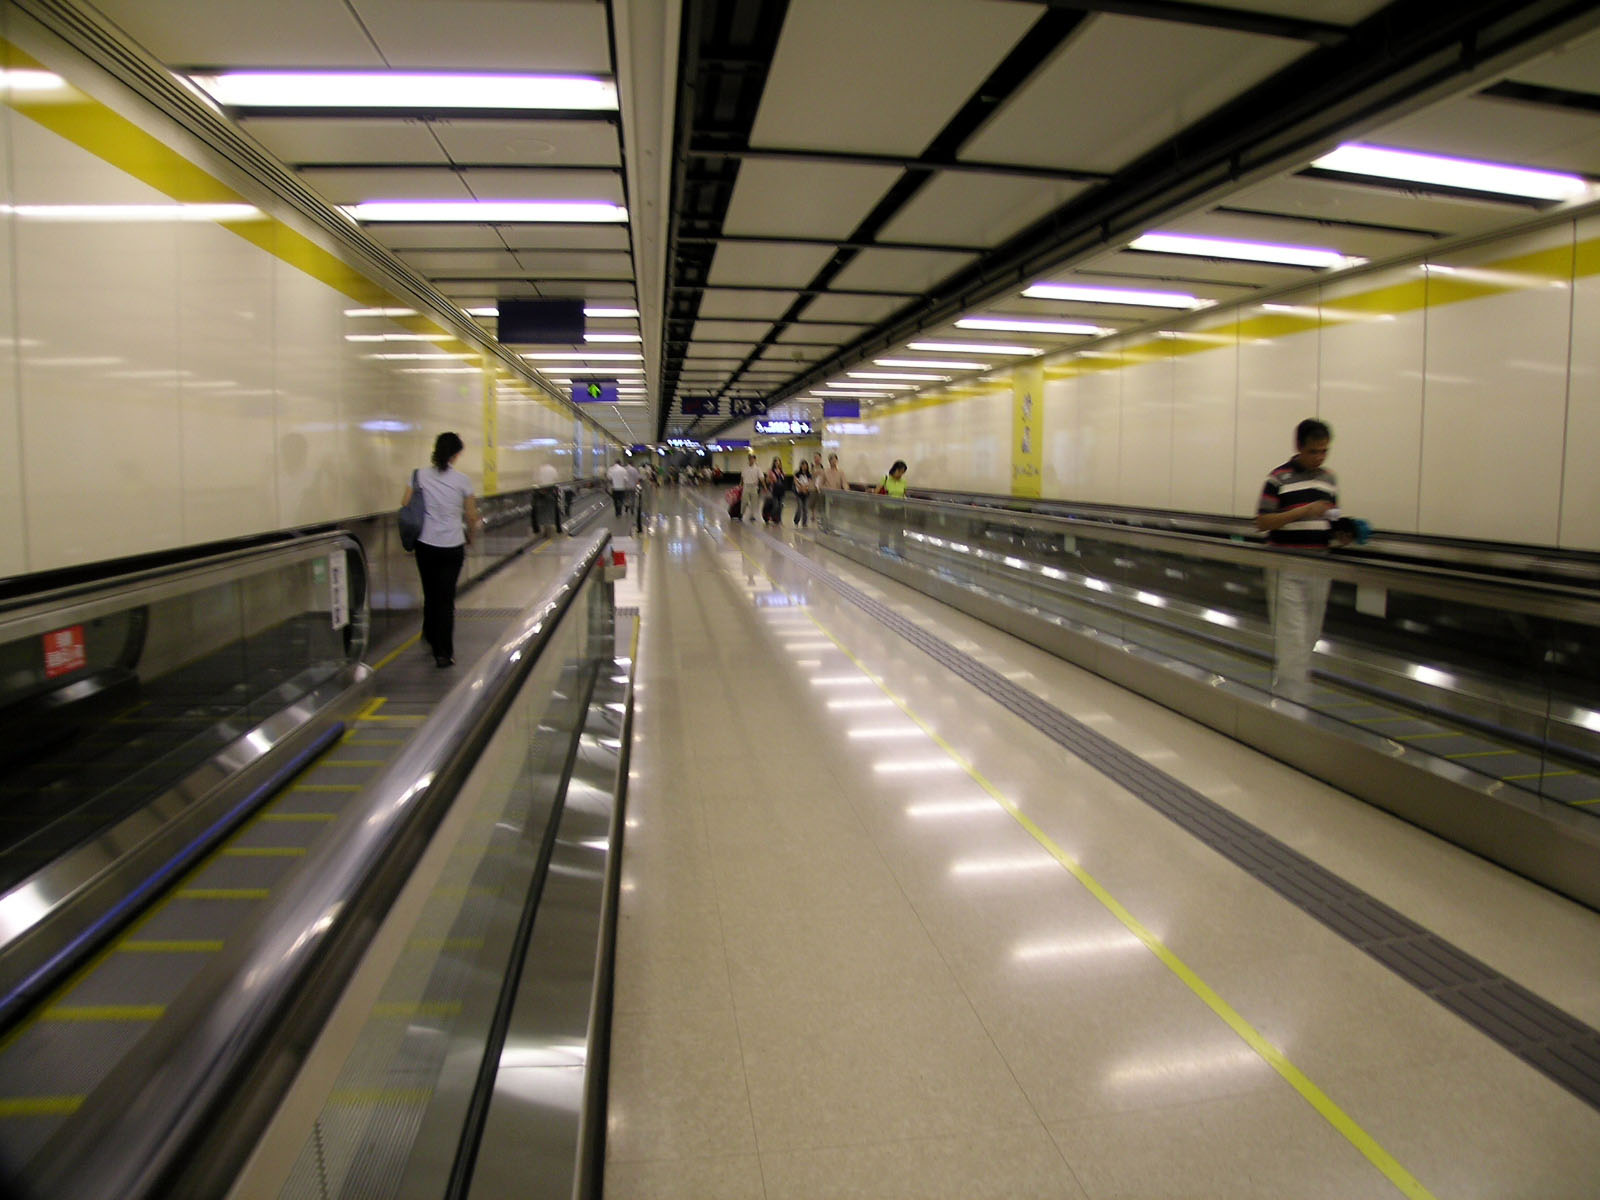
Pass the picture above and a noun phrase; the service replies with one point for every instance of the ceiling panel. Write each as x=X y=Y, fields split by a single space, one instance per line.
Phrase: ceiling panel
x=336 y=140
x=1575 y=67
x=964 y=209
x=900 y=270
x=804 y=199
x=1079 y=112
x=487 y=183
x=722 y=349
x=785 y=264
x=455 y=262
x=1329 y=200
x=530 y=143
x=720 y=302
x=535 y=236
x=1336 y=12
x=352 y=185
x=594 y=265
x=792 y=355
x=823 y=333
x=1365 y=243
x=1507 y=131
x=693 y=362
x=288 y=33
x=832 y=86
x=737 y=331
x=442 y=236
x=1172 y=272
x=869 y=309
x=489 y=35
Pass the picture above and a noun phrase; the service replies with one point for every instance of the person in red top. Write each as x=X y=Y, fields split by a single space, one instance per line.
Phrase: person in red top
x=1297 y=510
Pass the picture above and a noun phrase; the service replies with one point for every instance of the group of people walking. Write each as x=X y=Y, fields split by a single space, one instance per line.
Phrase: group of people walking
x=764 y=492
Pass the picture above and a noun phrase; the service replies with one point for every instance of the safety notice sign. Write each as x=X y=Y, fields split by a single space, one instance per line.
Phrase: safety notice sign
x=64 y=652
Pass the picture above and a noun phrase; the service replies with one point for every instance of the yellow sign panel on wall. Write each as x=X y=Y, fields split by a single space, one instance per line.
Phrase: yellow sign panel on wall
x=1027 y=430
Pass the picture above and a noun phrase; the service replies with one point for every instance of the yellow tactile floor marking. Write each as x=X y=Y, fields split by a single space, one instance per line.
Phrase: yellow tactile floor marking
x=1403 y=1180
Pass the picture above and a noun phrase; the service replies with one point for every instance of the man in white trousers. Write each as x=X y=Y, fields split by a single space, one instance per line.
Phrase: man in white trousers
x=750 y=480
x=1298 y=506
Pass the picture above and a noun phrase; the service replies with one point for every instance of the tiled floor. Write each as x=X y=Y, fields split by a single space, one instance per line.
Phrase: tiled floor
x=845 y=968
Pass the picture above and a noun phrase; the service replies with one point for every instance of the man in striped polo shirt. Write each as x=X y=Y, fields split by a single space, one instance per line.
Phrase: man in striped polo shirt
x=1298 y=505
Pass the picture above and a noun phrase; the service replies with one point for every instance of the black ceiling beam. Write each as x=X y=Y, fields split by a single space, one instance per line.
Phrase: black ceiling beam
x=1328 y=222
x=947 y=162
x=1587 y=103
x=1209 y=16
x=1031 y=51
x=795 y=240
x=1408 y=52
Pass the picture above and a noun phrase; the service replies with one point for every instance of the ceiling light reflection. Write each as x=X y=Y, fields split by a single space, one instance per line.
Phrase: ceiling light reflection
x=950 y=808
x=1001 y=866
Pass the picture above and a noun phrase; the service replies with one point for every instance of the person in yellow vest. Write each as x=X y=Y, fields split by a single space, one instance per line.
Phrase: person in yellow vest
x=894 y=483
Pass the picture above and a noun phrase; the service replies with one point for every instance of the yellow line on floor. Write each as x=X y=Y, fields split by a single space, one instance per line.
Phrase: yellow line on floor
x=366 y=763
x=350 y=741
x=263 y=852
x=1319 y=1100
x=144 y=947
x=221 y=894
x=39 y=1106
x=1538 y=775
x=1417 y=737
x=371 y=707
x=104 y=1012
x=305 y=816
x=397 y=652
x=325 y=787
x=1481 y=754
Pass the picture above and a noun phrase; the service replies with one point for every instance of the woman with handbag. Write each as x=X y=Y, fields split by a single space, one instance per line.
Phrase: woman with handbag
x=448 y=527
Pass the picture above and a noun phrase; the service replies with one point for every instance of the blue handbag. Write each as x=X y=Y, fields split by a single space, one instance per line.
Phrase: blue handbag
x=412 y=514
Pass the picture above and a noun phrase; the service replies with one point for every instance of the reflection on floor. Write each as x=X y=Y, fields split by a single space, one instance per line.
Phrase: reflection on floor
x=881 y=937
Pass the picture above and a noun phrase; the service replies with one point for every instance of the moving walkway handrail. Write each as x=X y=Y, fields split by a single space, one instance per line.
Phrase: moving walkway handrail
x=214 y=1065
x=42 y=612
x=1559 y=601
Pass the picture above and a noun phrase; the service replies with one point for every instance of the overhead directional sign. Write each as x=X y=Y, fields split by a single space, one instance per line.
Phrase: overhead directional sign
x=699 y=406
x=595 y=391
x=783 y=427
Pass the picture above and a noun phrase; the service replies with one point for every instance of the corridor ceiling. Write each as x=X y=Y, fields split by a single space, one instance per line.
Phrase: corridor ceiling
x=811 y=185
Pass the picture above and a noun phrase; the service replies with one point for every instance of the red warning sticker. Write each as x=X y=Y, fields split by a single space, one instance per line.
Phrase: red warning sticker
x=64 y=652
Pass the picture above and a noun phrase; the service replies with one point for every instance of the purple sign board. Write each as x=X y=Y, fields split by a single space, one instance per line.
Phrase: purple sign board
x=841 y=408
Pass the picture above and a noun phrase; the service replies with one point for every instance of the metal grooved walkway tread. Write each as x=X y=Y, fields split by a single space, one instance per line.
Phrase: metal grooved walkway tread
x=1542 y=1035
x=54 y=1058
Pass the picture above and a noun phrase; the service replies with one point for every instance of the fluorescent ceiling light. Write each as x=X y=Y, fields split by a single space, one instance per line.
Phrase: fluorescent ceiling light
x=1023 y=325
x=972 y=348
x=490 y=212
x=397 y=337
x=596 y=356
x=931 y=364
x=876 y=388
x=851 y=392
x=133 y=213
x=611 y=312
x=415 y=357
x=1210 y=247
x=380 y=312
x=612 y=337
x=1111 y=295
x=24 y=80
x=1470 y=175
x=599 y=370
x=407 y=90
x=913 y=375
x=439 y=371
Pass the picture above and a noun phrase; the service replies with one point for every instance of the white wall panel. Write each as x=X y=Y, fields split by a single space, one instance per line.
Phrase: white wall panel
x=1371 y=394
x=1144 y=461
x=1277 y=390
x=1495 y=393
x=225 y=384
x=1205 y=394
x=318 y=462
x=13 y=542
x=97 y=301
x=1082 y=428
x=1580 y=496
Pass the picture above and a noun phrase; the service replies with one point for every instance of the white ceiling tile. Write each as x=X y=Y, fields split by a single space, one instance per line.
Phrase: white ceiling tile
x=1169 y=272
x=530 y=143
x=770 y=305
x=737 y=331
x=822 y=333
x=442 y=236
x=1331 y=200
x=488 y=183
x=774 y=264
x=337 y=140
x=976 y=210
x=1575 y=67
x=832 y=86
x=579 y=265
x=288 y=33
x=793 y=355
x=489 y=35
x=565 y=237
x=742 y=349
x=900 y=270
x=353 y=185
x=1079 y=111
x=1506 y=131
x=455 y=262
x=711 y=364
x=804 y=199
x=870 y=309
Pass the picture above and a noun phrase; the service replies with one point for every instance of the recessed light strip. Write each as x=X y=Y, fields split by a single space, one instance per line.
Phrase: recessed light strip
x=1093 y=294
x=491 y=212
x=1209 y=247
x=1467 y=174
x=1023 y=325
x=407 y=90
